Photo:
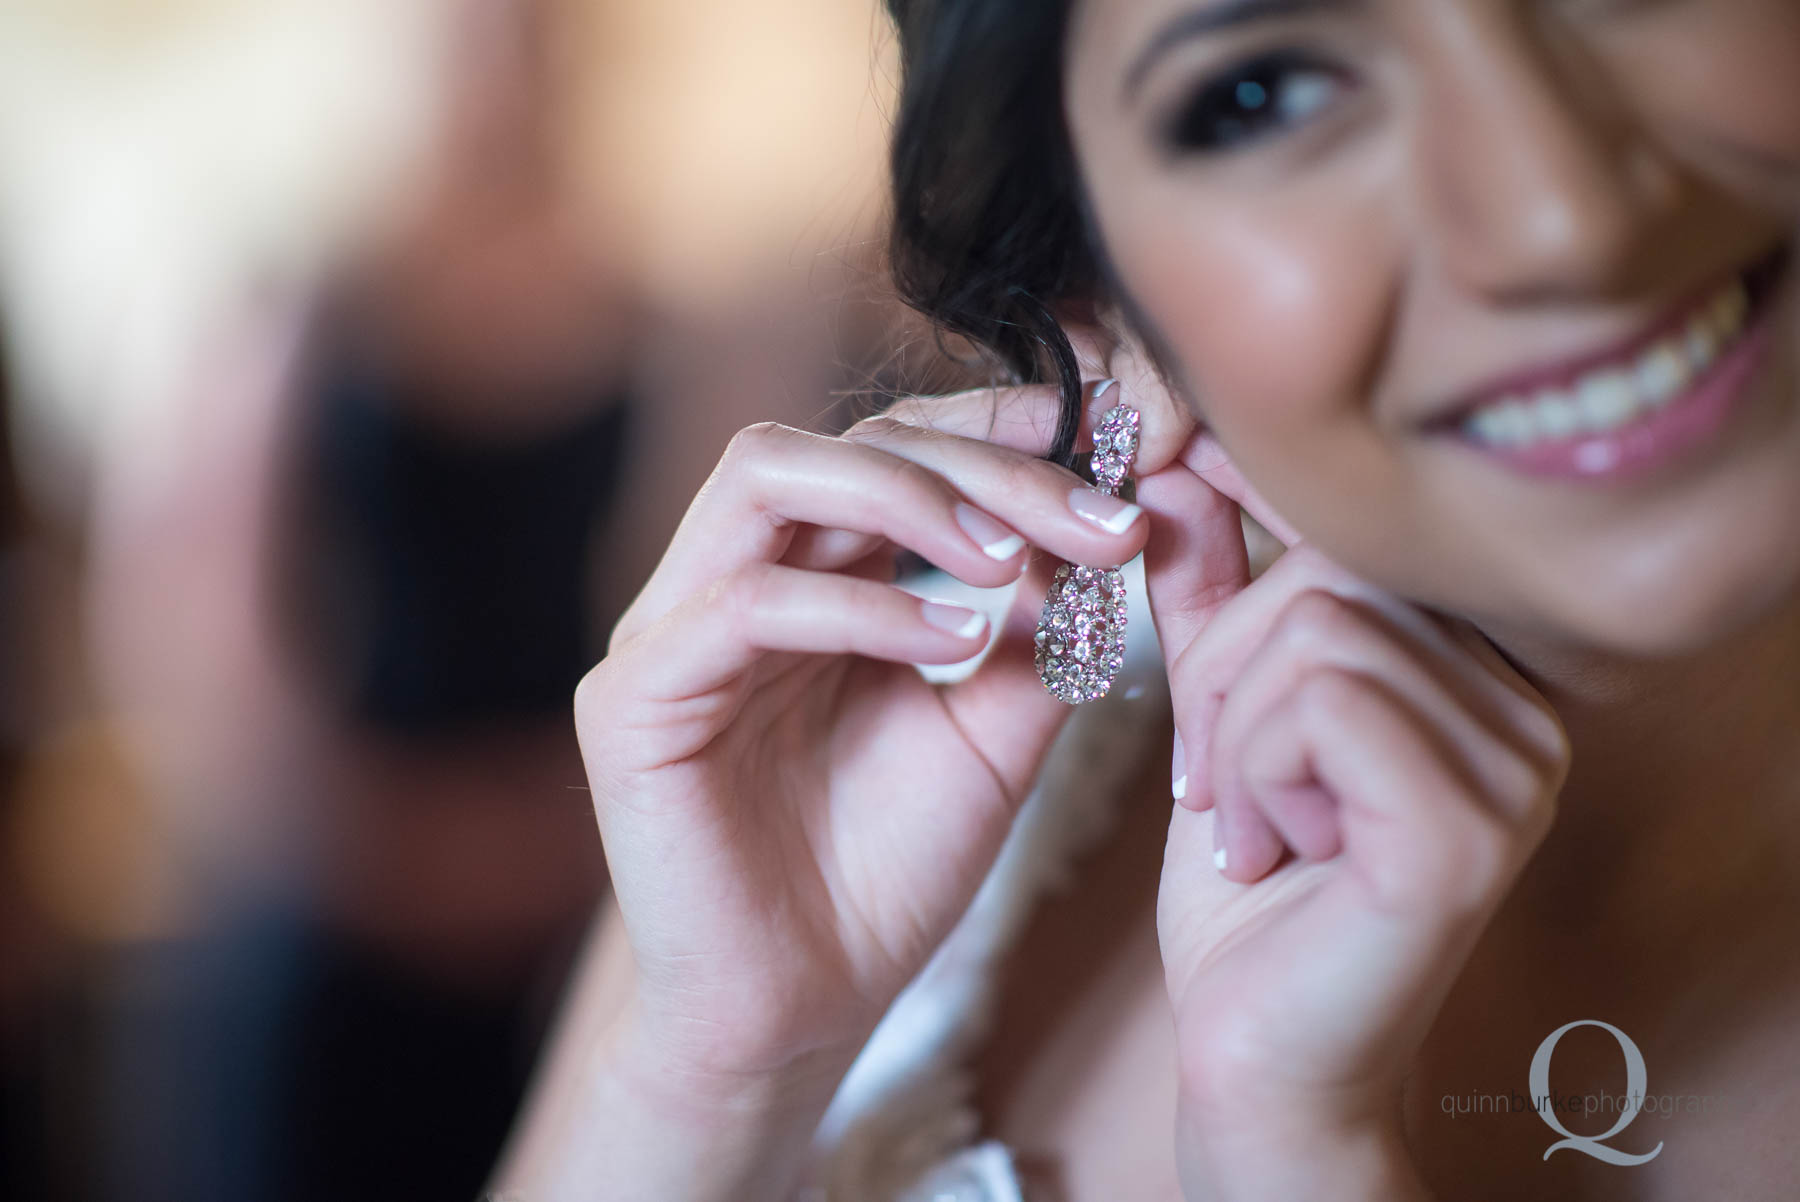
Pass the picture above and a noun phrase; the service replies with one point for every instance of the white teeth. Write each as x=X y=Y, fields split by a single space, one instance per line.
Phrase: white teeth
x=1507 y=424
x=1605 y=399
x=1661 y=375
x=1558 y=415
x=1702 y=346
x=1610 y=397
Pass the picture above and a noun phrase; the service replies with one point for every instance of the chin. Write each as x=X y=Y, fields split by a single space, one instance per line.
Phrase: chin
x=1669 y=603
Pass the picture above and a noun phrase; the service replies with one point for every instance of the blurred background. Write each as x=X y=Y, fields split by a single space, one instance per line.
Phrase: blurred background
x=359 y=358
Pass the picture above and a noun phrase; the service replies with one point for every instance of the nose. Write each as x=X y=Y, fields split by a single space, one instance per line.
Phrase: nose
x=1538 y=181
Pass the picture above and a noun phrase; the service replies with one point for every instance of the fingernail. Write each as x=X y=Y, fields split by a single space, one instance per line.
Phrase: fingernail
x=957 y=619
x=1107 y=512
x=995 y=540
x=1178 y=770
x=1219 y=859
x=1101 y=388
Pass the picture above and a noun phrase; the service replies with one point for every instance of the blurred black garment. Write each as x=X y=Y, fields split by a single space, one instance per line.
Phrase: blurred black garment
x=436 y=584
x=279 y=1061
x=24 y=1072
x=449 y=587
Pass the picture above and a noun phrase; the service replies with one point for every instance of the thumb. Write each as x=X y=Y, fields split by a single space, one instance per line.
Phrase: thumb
x=1205 y=457
x=1195 y=560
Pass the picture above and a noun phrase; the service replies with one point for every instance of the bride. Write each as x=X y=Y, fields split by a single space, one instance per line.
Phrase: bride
x=1473 y=872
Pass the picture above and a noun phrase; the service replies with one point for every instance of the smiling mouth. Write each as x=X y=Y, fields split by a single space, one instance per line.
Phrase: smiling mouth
x=1615 y=391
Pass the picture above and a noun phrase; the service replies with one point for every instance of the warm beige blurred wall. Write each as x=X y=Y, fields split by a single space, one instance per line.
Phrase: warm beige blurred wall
x=166 y=163
x=163 y=160
x=736 y=138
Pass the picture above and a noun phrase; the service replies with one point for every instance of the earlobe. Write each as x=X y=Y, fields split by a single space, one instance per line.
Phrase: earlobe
x=1109 y=356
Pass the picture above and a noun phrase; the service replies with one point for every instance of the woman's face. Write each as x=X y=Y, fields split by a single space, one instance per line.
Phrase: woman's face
x=1487 y=297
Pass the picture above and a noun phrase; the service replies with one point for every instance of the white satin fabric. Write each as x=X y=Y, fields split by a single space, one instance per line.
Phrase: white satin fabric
x=902 y=1127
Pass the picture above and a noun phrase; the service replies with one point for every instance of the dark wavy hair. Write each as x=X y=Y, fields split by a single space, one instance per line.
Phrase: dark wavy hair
x=991 y=232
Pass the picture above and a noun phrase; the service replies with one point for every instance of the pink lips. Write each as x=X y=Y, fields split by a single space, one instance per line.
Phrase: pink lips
x=1567 y=371
x=1662 y=436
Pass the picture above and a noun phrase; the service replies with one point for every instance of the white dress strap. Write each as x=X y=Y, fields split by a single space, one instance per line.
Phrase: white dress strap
x=902 y=1126
x=983 y=1173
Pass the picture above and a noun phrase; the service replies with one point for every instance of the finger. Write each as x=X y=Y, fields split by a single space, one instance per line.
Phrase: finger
x=1425 y=863
x=1304 y=816
x=713 y=637
x=1223 y=638
x=774 y=480
x=1416 y=835
x=1311 y=568
x=1533 y=717
x=1463 y=705
x=1195 y=562
x=1049 y=506
x=831 y=549
x=1205 y=457
x=1195 y=559
x=881 y=564
x=1112 y=352
x=1246 y=844
x=1222 y=645
x=1024 y=417
x=1004 y=708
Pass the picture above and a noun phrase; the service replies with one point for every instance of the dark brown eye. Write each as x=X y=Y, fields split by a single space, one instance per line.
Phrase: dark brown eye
x=1254 y=100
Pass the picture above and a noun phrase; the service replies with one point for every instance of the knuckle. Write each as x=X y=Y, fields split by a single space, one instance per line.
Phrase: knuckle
x=739 y=595
x=1331 y=694
x=1305 y=562
x=592 y=693
x=1020 y=475
x=874 y=427
x=905 y=411
x=1542 y=815
x=915 y=477
x=756 y=440
x=902 y=489
x=1517 y=781
x=1543 y=759
x=1539 y=813
x=1480 y=858
x=623 y=631
x=1315 y=619
x=734 y=600
x=1548 y=736
x=744 y=443
x=599 y=723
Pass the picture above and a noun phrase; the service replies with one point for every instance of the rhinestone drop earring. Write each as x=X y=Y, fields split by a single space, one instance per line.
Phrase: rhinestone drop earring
x=1080 y=639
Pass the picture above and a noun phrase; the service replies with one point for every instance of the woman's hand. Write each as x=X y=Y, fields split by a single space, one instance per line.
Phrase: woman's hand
x=792 y=816
x=1364 y=781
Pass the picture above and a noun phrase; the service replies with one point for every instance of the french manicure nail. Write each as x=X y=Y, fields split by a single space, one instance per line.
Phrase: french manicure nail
x=1107 y=512
x=1219 y=858
x=957 y=619
x=995 y=540
x=1101 y=388
x=1178 y=770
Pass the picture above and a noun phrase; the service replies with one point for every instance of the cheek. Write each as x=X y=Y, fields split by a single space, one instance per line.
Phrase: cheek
x=1277 y=318
x=1743 y=92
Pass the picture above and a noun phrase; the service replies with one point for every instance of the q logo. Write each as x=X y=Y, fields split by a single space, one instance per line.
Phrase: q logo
x=1635 y=1080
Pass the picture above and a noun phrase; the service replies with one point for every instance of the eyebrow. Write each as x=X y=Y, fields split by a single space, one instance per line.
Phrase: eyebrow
x=1229 y=14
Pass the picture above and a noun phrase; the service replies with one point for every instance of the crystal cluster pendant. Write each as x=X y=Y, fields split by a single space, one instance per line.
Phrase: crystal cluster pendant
x=1080 y=639
x=1081 y=633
